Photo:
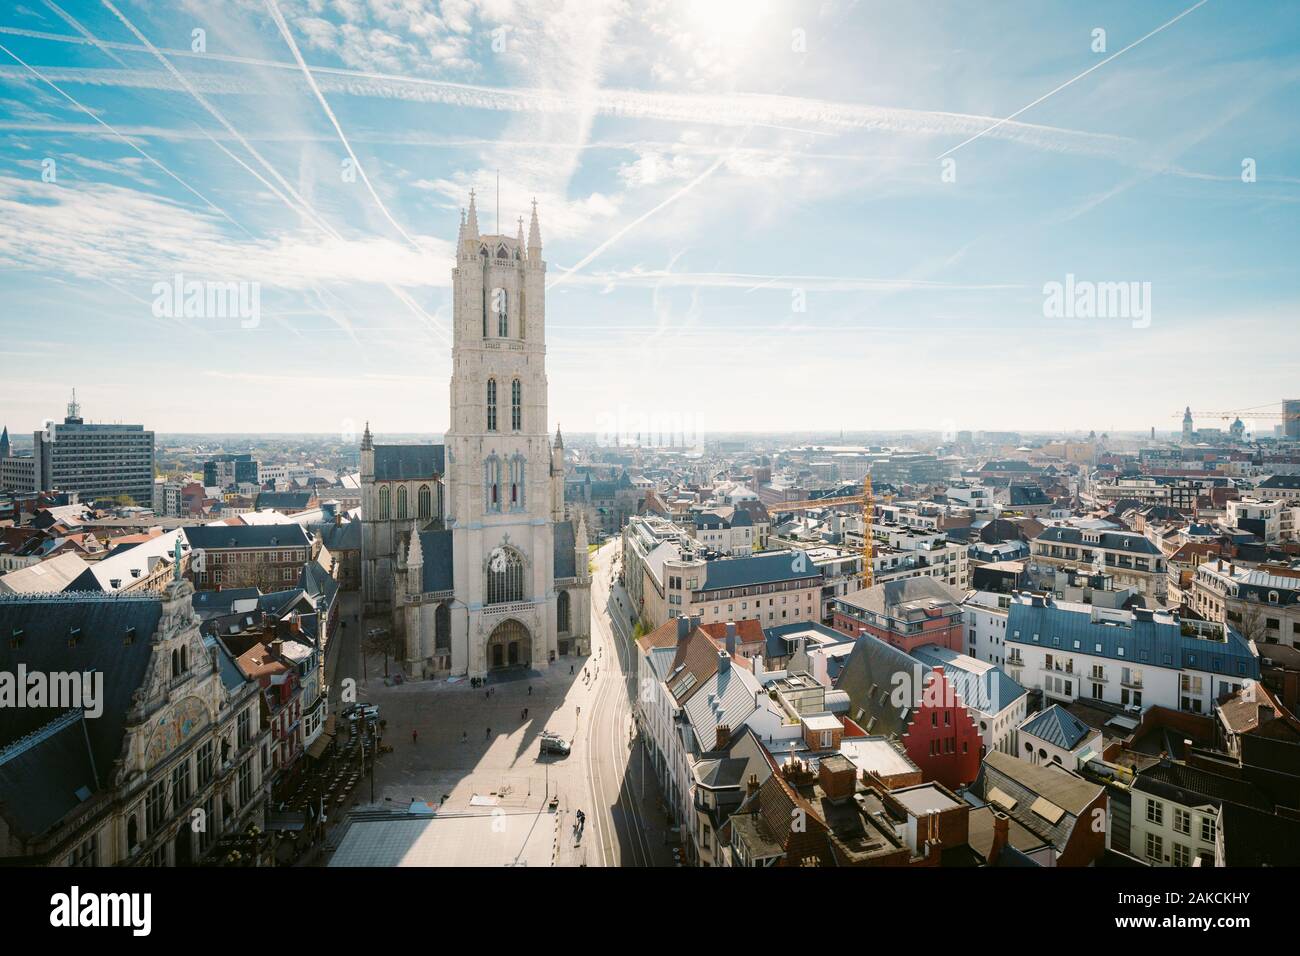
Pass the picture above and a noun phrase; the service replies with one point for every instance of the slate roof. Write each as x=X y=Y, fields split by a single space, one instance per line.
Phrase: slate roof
x=1158 y=642
x=1193 y=787
x=344 y=536
x=1132 y=542
x=1057 y=726
x=1289 y=482
x=981 y=686
x=40 y=780
x=283 y=500
x=215 y=537
x=868 y=678
x=565 y=558
x=883 y=598
x=1024 y=783
x=762 y=568
x=1028 y=495
x=436 y=548
x=409 y=462
x=126 y=567
x=727 y=697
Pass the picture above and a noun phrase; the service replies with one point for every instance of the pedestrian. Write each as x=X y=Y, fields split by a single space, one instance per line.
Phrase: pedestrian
x=415 y=736
x=570 y=668
x=488 y=736
x=525 y=713
x=530 y=690
x=464 y=736
x=487 y=694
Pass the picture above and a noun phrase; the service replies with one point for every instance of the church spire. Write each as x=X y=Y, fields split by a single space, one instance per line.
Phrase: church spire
x=534 y=236
x=367 y=443
x=559 y=439
x=471 y=226
x=519 y=236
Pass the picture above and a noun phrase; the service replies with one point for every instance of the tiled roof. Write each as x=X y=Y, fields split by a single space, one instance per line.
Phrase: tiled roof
x=1057 y=726
x=565 y=557
x=437 y=573
x=246 y=536
x=981 y=686
x=409 y=462
x=762 y=568
x=41 y=783
x=1158 y=642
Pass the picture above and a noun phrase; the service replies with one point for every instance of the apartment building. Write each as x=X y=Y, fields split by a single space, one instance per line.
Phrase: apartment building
x=1263 y=603
x=1131 y=559
x=771 y=587
x=1136 y=659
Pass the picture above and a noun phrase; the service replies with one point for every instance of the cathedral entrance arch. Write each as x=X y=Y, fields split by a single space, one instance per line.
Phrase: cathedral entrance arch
x=509 y=646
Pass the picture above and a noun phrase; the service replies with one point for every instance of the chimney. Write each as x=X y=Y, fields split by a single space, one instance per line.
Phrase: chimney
x=838 y=778
x=731 y=638
x=683 y=628
x=723 y=737
x=277 y=647
x=295 y=625
x=1001 y=828
x=751 y=785
x=724 y=662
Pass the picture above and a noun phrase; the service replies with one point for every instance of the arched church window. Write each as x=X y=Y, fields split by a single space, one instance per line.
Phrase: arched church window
x=501 y=253
x=522 y=311
x=505 y=577
x=517 y=482
x=503 y=317
x=401 y=502
x=492 y=482
x=492 y=405
x=442 y=627
x=425 y=502
x=562 y=612
x=384 y=502
x=516 y=405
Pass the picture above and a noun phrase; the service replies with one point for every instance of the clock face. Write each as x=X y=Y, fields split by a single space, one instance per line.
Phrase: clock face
x=174 y=726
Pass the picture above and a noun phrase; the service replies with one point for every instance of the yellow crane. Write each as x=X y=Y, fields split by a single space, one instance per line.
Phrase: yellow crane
x=866 y=501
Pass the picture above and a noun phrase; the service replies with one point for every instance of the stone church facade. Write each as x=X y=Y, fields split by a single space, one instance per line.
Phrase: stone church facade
x=465 y=545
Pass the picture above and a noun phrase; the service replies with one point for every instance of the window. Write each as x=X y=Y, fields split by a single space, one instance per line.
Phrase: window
x=1155 y=848
x=401 y=502
x=503 y=318
x=246 y=782
x=492 y=483
x=492 y=405
x=1182 y=855
x=180 y=785
x=244 y=727
x=1155 y=812
x=562 y=612
x=85 y=853
x=155 y=807
x=204 y=763
x=384 y=501
x=516 y=405
x=1208 y=826
x=424 y=502
x=1182 y=820
x=505 y=579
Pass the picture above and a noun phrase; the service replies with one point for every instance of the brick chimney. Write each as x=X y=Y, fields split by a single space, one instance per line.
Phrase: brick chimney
x=723 y=737
x=837 y=777
x=1001 y=828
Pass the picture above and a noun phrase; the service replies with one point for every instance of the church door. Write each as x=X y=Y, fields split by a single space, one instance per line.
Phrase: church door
x=510 y=645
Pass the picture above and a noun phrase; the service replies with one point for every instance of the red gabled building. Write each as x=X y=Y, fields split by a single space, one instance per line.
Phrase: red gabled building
x=893 y=694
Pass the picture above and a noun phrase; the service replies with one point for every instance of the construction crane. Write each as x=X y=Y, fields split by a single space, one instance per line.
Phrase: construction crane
x=866 y=501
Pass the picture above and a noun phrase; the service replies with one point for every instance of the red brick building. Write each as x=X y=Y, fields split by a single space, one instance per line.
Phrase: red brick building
x=893 y=694
x=907 y=614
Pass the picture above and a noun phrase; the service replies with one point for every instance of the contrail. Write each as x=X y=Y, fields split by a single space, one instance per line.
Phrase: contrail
x=1098 y=66
x=293 y=47
x=206 y=201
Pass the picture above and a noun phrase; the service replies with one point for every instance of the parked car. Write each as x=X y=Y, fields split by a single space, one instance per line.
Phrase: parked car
x=555 y=744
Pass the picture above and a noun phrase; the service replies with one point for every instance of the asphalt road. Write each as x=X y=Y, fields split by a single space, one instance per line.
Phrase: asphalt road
x=625 y=824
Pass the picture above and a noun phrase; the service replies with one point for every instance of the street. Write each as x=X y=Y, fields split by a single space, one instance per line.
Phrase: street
x=473 y=751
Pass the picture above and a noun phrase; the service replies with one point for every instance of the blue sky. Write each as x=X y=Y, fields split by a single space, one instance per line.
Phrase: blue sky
x=744 y=207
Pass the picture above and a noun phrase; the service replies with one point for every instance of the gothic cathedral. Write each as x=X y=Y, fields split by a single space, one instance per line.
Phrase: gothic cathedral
x=465 y=545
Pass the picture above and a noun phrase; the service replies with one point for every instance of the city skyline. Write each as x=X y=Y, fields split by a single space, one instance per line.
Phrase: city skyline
x=755 y=193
